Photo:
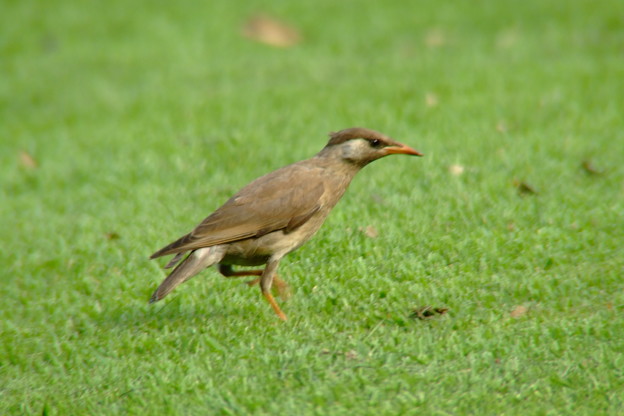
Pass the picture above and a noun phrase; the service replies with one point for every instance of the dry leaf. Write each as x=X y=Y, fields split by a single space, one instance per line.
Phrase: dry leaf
x=271 y=31
x=112 y=236
x=507 y=39
x=456 y=170
x=370 y=231
x=435 y=38
x=351 y=355
x=431 y=99
x=590 y=169
x=519 y=311
x=27 y=160
x=427 y=312
x=524 y=188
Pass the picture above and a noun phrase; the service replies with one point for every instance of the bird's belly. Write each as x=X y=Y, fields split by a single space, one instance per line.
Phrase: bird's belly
x=258 y=250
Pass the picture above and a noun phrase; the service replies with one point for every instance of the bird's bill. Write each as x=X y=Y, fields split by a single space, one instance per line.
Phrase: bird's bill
x=402 y=149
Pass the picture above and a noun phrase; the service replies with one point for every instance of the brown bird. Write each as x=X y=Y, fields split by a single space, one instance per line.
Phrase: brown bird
x=275 y=214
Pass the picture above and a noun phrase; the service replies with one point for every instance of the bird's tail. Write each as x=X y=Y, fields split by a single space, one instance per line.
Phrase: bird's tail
x=194 y=263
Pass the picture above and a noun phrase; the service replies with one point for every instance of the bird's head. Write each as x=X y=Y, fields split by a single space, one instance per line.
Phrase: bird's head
x=361 y=146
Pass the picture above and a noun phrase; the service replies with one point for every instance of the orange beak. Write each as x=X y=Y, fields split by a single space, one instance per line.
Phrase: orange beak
x=402 y=149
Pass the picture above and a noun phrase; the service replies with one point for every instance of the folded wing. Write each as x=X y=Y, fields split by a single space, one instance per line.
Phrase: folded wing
x=270 y=203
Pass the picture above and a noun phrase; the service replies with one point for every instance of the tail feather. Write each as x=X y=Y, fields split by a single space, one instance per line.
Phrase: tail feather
x=175 y=260
x=195 y=262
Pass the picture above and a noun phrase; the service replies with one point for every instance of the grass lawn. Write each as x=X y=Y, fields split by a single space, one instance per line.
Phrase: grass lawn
x=122 y=125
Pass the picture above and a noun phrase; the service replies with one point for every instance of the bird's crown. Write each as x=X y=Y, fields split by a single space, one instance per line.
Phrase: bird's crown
x=339 y=137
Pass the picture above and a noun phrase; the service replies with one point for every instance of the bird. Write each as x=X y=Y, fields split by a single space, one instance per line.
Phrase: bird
x=275 y=214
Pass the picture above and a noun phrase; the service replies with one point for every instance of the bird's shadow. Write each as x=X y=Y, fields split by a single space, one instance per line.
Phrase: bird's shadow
x=172 y=314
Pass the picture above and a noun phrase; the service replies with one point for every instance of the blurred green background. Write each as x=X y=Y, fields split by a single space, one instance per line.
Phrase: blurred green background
x=123 y=124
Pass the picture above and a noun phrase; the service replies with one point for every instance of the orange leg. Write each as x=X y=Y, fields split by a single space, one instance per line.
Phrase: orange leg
x=274 y=305
x=266 y=281
x=282 y=288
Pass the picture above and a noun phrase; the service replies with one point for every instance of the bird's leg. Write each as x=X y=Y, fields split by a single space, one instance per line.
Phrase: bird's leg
x=227 y=271
x=266 y=280
x=282 y=288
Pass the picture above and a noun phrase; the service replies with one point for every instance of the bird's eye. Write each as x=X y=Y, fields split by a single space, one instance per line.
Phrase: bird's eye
x=375 y=143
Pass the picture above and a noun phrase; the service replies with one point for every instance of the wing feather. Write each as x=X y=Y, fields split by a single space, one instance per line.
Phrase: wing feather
x=284 y=199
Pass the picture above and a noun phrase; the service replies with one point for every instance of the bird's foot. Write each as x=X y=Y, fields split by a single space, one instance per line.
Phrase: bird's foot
x=281 y=287
x=274 y=305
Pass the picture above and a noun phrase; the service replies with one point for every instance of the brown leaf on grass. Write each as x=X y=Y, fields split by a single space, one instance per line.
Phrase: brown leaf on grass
x=435 y=38
x=370 y=231
x=519 y=311
x=431 y=100
x=507 y=38
x=111 y=235
x=427 y=312
x=524 y=188
x=456 y=170
x=351 y=355
x=27 y=160
x=270 y=31
x=590 y=169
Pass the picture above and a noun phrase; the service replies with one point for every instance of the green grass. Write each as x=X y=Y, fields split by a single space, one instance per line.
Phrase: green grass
x=142 y=119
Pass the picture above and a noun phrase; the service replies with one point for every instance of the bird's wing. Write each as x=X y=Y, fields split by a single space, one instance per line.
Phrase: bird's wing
x=282 y=200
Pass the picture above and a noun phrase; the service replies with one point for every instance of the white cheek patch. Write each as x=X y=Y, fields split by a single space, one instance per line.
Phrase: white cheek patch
x=353 y=148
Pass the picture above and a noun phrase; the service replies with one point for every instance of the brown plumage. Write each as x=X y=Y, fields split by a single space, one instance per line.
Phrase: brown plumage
x=275 y=214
